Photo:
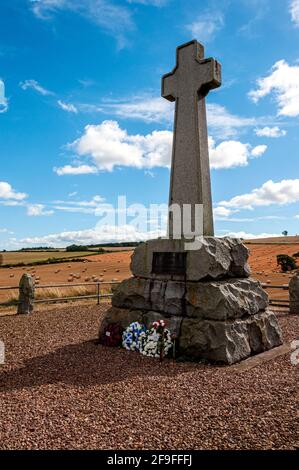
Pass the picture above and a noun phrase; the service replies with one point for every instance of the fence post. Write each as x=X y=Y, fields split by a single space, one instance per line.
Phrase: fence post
x=99 y=292
x=294 y=293
x=26 y=294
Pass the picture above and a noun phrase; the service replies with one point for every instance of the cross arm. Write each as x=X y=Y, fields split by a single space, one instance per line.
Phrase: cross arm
x=211 y=75
x=169 y=86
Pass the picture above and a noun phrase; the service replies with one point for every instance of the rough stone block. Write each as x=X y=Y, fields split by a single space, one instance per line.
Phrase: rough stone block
x=215 y=258
x=174 y=298
x=222 y=300
x=173 y=323
x=122 y=316
x=133 y=293
x=229 y=341
x=26 y=295
x=216 y=300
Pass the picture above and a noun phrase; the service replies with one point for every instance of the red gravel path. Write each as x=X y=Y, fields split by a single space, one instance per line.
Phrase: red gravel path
x=59 y=390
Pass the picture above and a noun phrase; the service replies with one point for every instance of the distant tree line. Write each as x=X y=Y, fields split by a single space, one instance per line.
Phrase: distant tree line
x=115 y=245
x=76 y=248
x=39 y=248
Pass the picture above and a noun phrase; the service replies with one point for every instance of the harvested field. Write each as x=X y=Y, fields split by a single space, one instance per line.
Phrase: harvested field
x=264 y=267
x=105 y=267
x=27 y=257
x=276 y=240
x=116 y=266
x=59 y=390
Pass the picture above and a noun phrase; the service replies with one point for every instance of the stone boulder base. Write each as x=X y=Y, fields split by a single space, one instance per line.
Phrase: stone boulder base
x=217 y=300
x=220 y=341
x=229 y=341
x=215 y=310
x=214 y=258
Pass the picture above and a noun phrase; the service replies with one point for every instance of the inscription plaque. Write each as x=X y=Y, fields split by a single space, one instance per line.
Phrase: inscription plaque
x=169 y=263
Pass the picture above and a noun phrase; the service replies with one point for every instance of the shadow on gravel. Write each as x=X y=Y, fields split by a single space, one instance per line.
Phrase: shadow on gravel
x=87 y=364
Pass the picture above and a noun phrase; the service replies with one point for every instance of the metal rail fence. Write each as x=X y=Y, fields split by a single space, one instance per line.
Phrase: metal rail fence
x=277 y=302
x=98 y=295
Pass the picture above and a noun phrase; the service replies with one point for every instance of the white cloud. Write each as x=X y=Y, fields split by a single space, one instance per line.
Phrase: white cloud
x=3 y=99
x=221 y=122
x=86 y=207
x=283 y=81
x=248 y=236
x=74 y=193
x=43 y=8
x=38 y=210
x=114 y=19
x=258 y=150
x=232 y=153
x=69 y=107
x=8 y=193
x=154 y=3
x=34 y=85
x=282 y=192
x=205 y=26
x=94 y=202
x=222 y=212
x=99 y=234
x=75 y=170
x=144 y=108
x=294 y=10
x=270 y=132
x=110 y=146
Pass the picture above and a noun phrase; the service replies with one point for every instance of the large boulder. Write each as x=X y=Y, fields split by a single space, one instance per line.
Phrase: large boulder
x=224 y=300
x=229 y=341
x=216 y=300
x=173 y=323
x=26 y=295
x=213 y=258
x=133 y=293
x=120 y=315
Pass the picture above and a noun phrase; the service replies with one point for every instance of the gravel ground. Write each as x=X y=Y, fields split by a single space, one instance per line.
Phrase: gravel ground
x=59 y=390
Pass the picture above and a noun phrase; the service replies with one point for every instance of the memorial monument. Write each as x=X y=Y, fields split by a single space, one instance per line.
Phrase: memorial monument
x=199 y=284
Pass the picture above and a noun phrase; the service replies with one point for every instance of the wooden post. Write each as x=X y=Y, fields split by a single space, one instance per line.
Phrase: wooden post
x=99 y=293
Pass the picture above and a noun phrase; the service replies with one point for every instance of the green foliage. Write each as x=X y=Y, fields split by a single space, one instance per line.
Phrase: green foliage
x=76 y=248
x=45 y=261
x=285 y=233
x=38 y=248
x=286 y=262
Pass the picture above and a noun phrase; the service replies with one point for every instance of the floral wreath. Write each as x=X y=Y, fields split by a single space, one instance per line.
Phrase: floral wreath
x=156 y=342
x=131 y=336
x=112 y=335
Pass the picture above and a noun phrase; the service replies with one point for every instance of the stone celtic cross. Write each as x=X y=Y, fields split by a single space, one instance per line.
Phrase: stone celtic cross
x=188 y=84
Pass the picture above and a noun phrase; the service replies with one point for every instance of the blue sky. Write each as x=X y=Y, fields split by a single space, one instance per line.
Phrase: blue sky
x=82 y=121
